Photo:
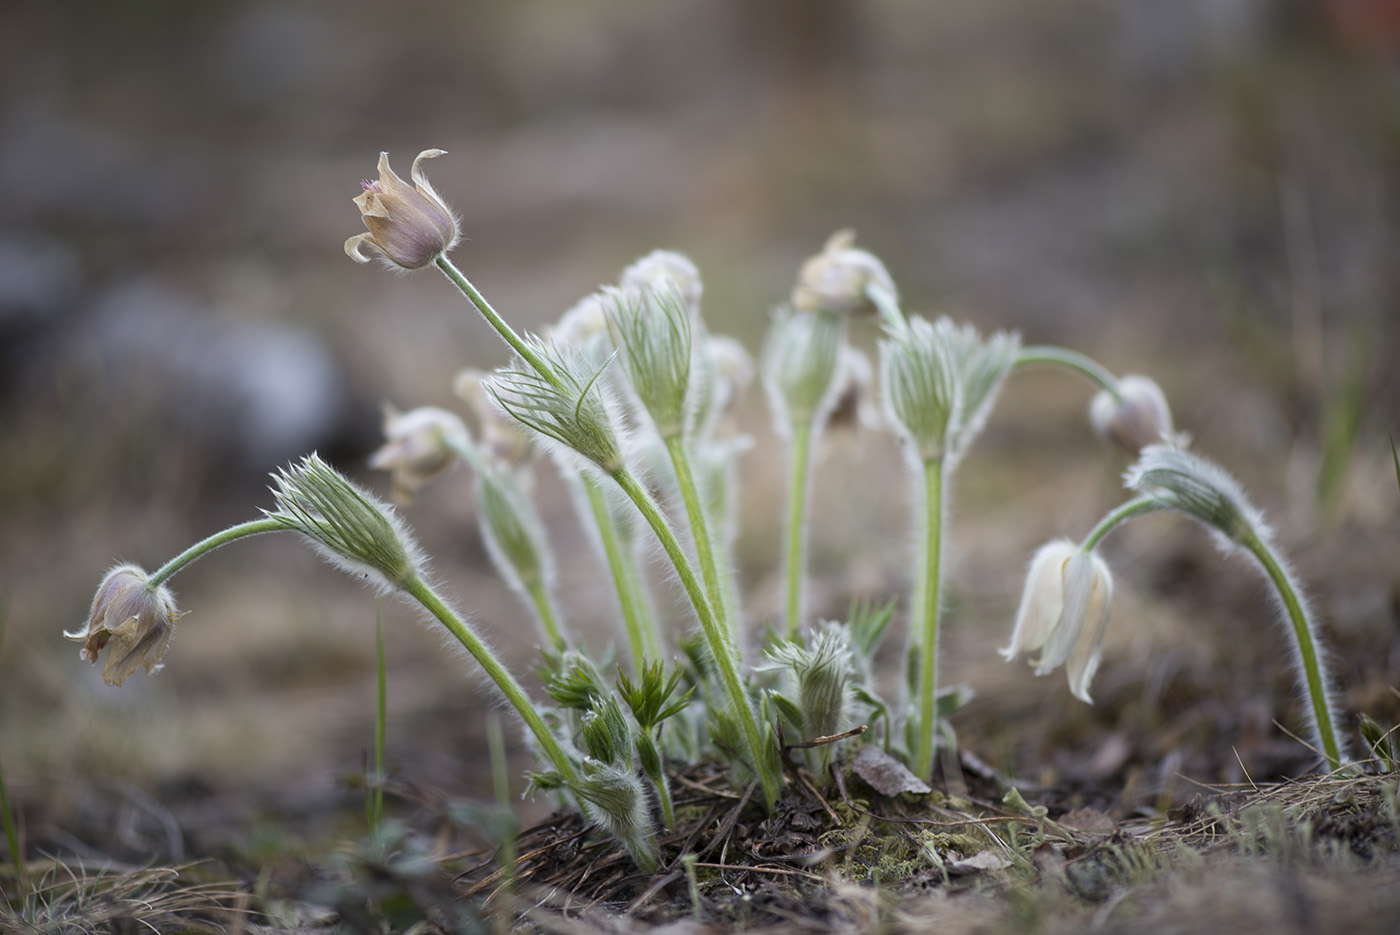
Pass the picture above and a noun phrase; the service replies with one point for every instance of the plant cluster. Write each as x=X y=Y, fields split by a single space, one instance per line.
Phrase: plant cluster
x=627 y=396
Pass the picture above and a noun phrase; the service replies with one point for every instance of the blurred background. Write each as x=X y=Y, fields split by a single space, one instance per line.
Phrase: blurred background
x=1205 y=191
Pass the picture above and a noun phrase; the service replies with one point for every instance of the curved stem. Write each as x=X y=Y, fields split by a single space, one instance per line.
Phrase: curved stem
x=699 y=531
x=800 y=453
x=251 y=528
x=1093 y=371
x=1303 y=642
x=420 y=591
x=494 y=319
x=720 y=647
x=1117 y=516
x=641 y=629
x=924 y=625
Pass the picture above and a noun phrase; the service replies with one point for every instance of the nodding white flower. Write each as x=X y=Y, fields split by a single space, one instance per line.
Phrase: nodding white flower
x=418 y=445
x=835 y=280
x=410 y=226
x=1135 y=418
x=1063 y=613
x=132 y=620
x=652 y=272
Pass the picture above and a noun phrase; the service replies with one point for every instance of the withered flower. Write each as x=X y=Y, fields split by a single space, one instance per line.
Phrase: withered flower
x=409 y=225
x=418 y=445
x=131 y=618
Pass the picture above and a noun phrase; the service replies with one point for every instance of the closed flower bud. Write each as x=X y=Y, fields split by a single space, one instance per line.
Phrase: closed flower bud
x=130 y=619
x=418 y=445
x=1063 y=613
x=410 y=226
x=1137 y=417
x=835 y=280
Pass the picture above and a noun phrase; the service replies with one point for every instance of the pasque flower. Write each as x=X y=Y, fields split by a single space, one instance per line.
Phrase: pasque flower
x=835 y=280
x=131 y=619
x=410 y=226
x=1063 y=613
x=418 y=445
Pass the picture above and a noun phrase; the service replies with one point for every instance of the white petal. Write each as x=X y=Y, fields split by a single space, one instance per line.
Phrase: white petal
x=1042 y=599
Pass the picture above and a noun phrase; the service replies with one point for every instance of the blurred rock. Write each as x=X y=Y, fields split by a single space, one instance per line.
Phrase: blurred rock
x=39 y=278
x=258 y=392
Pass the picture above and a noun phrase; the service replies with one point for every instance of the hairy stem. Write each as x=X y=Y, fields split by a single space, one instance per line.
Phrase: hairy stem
x=720 y=646
x=642 y=637
x=494 y=319
x=544 y=609
x=1307 y=648
x=205 y=546
x=800 y=454
x=924 y=625
x=1093 y=371
x=420 y=591
x=699 y=532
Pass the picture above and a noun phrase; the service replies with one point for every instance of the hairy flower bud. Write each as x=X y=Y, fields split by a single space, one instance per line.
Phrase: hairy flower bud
x=132 y=620
x=665 y=271
x=835 y=280
x=409 y=225
x=1137 y=417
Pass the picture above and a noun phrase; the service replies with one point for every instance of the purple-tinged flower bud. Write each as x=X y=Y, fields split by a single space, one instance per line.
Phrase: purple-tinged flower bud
x=1137 y=417
x=130 y=619
x=409 y=225
x=835 y=280
x=418 y=445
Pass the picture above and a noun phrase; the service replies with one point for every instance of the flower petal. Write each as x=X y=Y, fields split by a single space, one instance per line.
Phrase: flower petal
x=1042 y=600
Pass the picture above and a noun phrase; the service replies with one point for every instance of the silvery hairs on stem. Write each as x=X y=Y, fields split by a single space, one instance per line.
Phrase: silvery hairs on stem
x=1174 y=479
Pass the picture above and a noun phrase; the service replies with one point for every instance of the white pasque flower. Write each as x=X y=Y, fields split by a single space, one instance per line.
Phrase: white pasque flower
x=1063 y=613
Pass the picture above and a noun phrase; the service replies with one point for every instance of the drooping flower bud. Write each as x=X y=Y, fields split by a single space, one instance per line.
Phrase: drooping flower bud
x=1137 y=417
x=130 y=619
x=418 y=445
x=410 y=226
x=835 y=280
x=1063 y=613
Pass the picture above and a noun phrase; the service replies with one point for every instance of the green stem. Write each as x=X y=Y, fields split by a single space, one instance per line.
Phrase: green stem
x=416 y=588
x=924 y=626
x=494 y=319
x=720 y=647
x=801 y=459
x=544 y=609
x=699 y=531
x=199 y=549
x=1115 y=517
x=1303 y=640
x=1093 y=371
x=495 y=742
x=641 y=629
